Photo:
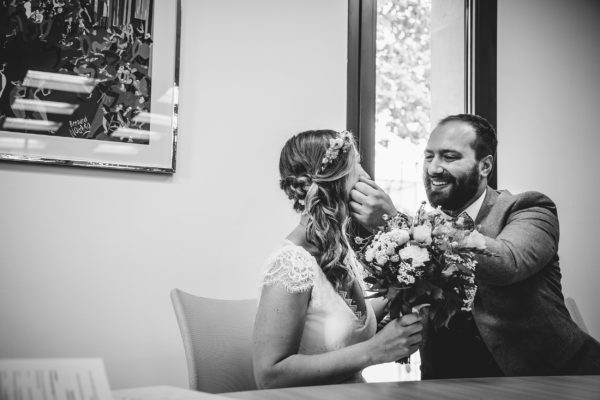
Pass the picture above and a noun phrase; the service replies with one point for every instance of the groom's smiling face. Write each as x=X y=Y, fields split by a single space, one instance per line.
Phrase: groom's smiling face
x=451 y=170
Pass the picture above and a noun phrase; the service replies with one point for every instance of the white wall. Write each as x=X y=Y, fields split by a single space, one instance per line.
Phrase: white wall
x=88 y=257
x=548 y=129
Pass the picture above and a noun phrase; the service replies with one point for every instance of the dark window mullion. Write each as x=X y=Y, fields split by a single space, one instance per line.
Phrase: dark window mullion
x=486 y=32
x=360 y=116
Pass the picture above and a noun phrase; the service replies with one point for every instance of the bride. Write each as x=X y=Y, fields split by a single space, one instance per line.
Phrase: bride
x=313 y=325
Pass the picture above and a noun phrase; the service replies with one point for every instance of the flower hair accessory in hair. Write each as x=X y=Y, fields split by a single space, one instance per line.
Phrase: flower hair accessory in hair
x=342 y=141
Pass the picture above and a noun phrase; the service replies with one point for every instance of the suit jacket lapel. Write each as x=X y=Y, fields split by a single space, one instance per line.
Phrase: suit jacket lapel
x=490 y=199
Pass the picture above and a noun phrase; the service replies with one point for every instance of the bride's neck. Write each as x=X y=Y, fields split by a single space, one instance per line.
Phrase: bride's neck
x=303 y=220
x=298 y=236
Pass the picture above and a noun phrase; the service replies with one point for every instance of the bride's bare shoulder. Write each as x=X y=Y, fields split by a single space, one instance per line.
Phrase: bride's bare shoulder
x=298 y=238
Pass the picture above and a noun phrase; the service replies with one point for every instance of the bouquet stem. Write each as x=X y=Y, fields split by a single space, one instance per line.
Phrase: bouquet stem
x=425 y=346
x=398 y=308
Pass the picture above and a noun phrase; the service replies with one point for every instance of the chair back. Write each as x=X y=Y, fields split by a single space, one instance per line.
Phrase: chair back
x=575 y=314
x=217 y=340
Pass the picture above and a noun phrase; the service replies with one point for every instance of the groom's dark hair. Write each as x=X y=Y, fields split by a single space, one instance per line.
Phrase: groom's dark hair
x=486 y=141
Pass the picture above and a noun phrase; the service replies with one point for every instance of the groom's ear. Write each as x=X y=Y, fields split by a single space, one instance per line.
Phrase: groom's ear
x=486 y=164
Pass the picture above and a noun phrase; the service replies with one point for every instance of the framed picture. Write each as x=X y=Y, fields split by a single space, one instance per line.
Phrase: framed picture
x=90 y=83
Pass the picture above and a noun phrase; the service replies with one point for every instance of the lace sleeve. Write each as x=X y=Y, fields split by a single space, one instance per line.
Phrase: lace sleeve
x=293 y=268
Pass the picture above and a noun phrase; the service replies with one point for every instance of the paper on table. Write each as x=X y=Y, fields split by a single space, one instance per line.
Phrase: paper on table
x=53 y=379
x=164 y=393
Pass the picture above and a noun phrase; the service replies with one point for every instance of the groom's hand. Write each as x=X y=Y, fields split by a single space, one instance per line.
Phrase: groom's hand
x=368 y=203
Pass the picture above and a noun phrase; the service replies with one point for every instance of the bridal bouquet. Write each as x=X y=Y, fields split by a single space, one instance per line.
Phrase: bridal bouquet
x=428 y=259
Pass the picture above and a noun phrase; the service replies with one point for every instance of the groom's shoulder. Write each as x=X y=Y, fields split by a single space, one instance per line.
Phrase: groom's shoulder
x=525 y=200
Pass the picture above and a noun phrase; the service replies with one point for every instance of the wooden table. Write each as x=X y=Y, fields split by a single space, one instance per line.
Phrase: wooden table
x=516 y=388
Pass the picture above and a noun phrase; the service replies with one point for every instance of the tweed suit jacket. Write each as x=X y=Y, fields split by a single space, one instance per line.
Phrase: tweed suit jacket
x=519 y=307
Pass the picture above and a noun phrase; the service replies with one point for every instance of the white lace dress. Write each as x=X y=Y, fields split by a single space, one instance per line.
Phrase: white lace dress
x=331 y=321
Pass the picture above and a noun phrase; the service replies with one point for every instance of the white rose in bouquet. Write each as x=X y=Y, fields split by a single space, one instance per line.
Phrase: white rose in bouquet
x=418 y=255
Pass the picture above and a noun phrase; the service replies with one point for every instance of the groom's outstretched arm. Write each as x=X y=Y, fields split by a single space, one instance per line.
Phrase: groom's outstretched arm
x=368 y=204
x=526 y=244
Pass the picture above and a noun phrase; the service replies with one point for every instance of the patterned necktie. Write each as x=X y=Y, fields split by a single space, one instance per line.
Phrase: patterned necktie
x=468 y=221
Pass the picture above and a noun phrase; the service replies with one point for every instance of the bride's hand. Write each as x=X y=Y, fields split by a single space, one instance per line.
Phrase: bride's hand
x=399 y=338
x=368 y=203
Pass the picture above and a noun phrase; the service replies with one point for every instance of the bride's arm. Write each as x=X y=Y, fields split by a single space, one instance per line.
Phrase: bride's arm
x=278 y=330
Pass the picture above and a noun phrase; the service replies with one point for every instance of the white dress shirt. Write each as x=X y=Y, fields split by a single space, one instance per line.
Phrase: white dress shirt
x=473 y=209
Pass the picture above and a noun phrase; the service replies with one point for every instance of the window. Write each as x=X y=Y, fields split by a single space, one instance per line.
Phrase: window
x=410 y=63
x=403 y=97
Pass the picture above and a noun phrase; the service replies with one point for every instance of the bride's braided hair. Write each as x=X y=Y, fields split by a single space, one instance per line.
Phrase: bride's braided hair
x=320 y=193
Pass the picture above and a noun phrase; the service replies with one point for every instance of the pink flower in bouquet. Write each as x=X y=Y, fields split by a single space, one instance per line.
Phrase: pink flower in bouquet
x=422 y=234
x=474 y=240
x=442 y=229
x=399 y=236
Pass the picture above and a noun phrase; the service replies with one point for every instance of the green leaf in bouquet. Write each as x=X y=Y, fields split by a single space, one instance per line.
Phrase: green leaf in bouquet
x=432 y=315
x=464 y=269
x=450 y=314
x=437 y=293
x=450 y=270
x=441 y=312
x=372 y=280
x=393 y=292
x=370 y=268
x=424 y=288
x=378 y=286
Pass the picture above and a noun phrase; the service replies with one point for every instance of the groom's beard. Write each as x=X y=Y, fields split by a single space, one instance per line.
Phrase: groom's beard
x=456 y=193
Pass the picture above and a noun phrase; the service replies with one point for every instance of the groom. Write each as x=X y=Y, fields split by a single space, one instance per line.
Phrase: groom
x=519 y=324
